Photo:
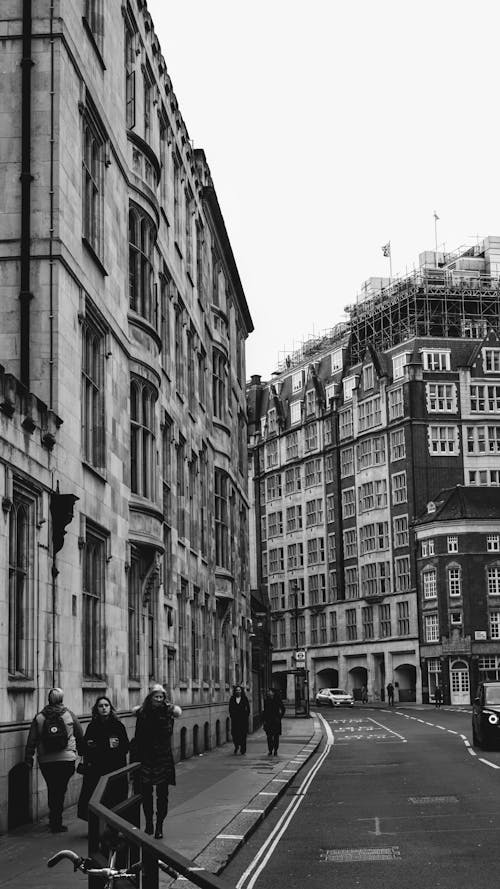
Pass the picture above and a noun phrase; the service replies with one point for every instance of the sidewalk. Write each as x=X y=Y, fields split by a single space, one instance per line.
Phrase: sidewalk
x=218 y=802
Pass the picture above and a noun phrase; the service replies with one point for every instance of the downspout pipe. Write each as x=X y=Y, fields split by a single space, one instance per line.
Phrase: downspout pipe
x=26 y=178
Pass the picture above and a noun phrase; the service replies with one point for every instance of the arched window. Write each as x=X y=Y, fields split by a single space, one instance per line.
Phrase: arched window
x=142 y=438
x=142 y=237
x=20 y=581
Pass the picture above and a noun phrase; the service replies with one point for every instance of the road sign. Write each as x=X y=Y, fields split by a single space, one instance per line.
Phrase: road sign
x=300 y=655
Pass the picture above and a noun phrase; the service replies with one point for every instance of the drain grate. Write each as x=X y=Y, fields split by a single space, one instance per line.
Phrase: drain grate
x=424 y=800
x=387 y=853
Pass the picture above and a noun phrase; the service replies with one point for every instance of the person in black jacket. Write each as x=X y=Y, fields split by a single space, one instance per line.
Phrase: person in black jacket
x=152 y=748
x=56 y=752
x=274 y=710
x=105 y=748
x=239 y=711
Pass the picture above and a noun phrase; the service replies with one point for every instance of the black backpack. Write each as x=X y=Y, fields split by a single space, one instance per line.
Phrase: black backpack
x=54 y=733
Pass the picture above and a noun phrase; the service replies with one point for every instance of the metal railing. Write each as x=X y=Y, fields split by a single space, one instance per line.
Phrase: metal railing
x=117 y=826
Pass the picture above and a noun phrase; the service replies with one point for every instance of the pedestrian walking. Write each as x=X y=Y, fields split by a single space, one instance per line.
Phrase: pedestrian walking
x=105 y=748
x=274 y=710
x=152 y=747
x=56 y=736
x=438 y=696
x=364 y=695
x=390 y=694
x=239 y=711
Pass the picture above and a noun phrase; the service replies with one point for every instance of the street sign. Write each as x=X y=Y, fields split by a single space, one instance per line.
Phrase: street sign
x=300 y=655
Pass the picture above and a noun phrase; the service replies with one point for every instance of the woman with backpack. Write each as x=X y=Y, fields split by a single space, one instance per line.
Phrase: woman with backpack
x=105 y=748
x=152 y=747
x=56 y=736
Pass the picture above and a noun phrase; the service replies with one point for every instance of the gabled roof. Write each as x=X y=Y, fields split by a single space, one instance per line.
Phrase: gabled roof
x=463 y=503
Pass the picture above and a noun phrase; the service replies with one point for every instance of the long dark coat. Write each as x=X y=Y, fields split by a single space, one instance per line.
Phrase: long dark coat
x=239 y=714
x=274 y=710
x=99 y=758
x=153 y=744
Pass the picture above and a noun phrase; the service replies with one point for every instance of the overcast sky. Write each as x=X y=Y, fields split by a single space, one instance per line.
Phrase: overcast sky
x=332 y=127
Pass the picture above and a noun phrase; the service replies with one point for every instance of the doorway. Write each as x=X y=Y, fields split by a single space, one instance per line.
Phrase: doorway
x=459 y=683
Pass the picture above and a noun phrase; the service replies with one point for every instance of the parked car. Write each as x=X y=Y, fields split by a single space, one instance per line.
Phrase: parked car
x=336 y=697
x=486 y=715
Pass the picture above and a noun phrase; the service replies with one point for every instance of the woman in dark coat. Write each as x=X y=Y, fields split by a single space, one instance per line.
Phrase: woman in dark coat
x=239 y=711
x=105 y=748
x=152 y=748
x=274 y=710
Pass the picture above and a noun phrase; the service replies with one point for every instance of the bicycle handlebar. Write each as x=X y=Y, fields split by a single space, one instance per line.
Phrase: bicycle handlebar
x=87 y=866
x=66 y=853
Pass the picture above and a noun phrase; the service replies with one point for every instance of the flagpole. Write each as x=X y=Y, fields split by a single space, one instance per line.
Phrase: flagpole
x=436 y=217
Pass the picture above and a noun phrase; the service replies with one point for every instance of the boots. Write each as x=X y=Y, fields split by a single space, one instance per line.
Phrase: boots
x=147 y=805
x=161 y=814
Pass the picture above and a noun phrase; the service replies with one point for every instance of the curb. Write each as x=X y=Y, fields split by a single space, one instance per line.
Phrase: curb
x=219 y=851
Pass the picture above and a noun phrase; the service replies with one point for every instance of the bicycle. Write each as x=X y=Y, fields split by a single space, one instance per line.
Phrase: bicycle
x=110 y=873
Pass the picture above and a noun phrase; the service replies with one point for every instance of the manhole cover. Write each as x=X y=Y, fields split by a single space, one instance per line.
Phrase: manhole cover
x=424 y=800
x=388 y=853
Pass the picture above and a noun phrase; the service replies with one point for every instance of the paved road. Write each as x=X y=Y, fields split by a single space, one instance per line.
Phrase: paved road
x=402 y=800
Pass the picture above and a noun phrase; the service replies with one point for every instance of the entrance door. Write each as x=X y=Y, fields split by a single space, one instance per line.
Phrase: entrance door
x=460 y=686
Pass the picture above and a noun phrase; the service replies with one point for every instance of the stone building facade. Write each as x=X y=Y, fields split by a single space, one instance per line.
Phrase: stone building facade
x=123 y=455
x=351 y=438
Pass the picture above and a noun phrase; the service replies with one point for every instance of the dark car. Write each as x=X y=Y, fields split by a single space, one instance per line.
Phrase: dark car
x=486 y=715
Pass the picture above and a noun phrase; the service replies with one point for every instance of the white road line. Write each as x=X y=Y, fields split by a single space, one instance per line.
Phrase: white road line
x=230 y=836
x=265 y=852
x=441 y=727
x=488 y=763
x=450 y=730
x=391 y=732
x=253 y=811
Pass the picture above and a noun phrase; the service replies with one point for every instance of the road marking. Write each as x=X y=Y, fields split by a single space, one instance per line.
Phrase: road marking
x=391 y=732
x=230 y=836
x=265 y=852
x=488 y=763
x=253 y=811
x=265 y=793
x=390 y=853
x=441 y=727
x=450 y=730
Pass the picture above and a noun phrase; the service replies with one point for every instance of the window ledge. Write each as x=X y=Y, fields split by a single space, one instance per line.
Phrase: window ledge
x=95 y=45
x=90 y=250
x=99 y=473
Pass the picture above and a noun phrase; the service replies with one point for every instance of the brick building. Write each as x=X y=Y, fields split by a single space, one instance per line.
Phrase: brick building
x=354 y=434
x=123 y=463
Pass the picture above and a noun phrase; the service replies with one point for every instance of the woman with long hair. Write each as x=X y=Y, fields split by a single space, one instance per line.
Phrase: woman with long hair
x=105 y=748
x=153 y=749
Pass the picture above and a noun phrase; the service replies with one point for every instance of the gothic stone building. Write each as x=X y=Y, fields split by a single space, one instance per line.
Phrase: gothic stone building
x=123 y=467
x=351 y=438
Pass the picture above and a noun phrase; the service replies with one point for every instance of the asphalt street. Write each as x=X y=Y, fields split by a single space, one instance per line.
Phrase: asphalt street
x=400 y=800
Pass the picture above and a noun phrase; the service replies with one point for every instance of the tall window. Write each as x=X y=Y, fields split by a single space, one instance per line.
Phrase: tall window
x=142 y=237
x=93 y=20
x=221 y=520
x=195 y=637
x=182 y=631
x=219 y=384
x=134 y=616
x=129 y=77
x=93 y=180
x=21 y=553
x=142 y=438
x=367 y=618
x=93 y=341
x=94 y=555
x=351 y=624
x=431 y=628
x=429 y=578
x=403 y=618
x=385 y=621
x=180 y=358
x=165 y=323
x=181 y=487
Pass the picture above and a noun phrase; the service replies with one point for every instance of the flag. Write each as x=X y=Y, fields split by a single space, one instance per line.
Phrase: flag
x=386 y=249
x=436 y=217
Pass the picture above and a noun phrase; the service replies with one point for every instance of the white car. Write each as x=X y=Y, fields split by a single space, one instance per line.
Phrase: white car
x=336 y=697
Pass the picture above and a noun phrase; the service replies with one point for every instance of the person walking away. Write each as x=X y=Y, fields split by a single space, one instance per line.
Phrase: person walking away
x=438 y=696
x=390 y=694
x=105 y=748
x=239 y=711
x=56 y=736
x=153 y=748
x=364 y=695
x=274 y=710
